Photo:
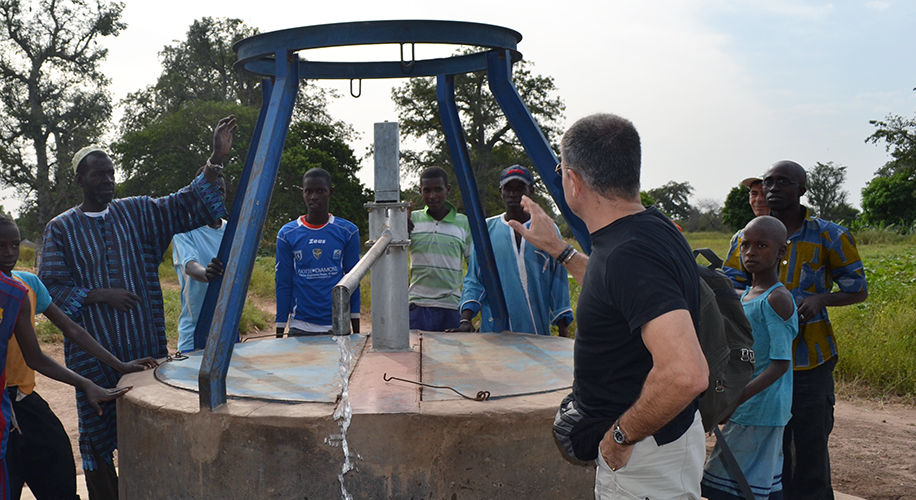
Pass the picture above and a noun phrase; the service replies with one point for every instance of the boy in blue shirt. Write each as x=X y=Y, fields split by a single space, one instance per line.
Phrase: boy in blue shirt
x=35 y=448
x=313 y=253
x=754 y=432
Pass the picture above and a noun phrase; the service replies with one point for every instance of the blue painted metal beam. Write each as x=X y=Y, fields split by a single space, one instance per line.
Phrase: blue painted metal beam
x=321 y=70
x=454 y=136
x=532 y=139
x=205 y=318
x=374 y=32
x=252 y=214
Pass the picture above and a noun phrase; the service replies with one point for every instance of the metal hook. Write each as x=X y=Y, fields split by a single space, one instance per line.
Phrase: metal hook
x=407 y=66
x=481 y=395
x=356 y=95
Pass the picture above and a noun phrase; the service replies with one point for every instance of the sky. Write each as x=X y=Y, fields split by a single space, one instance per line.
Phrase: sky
x=718 y=89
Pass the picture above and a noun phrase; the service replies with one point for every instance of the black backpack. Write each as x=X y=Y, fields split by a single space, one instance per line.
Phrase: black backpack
x=727 y=341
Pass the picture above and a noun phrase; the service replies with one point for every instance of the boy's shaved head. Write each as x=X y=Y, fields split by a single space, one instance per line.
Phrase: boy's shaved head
x=770 y=227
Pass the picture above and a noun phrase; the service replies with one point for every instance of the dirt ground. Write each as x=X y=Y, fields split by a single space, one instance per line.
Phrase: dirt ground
x=873 y=445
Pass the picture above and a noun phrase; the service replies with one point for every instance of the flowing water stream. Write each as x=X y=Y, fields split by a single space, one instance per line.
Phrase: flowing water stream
x=344 y=412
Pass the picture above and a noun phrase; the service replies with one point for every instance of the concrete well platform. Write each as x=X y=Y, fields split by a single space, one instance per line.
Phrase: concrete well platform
x=276 y=437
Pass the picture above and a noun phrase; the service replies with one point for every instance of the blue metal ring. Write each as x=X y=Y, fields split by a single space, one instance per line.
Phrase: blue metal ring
x=257 y=54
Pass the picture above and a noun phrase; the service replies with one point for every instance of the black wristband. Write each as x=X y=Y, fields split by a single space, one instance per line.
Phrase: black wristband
x=565 y=253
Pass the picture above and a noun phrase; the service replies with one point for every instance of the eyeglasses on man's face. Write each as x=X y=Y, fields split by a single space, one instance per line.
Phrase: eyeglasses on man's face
x=781 y=182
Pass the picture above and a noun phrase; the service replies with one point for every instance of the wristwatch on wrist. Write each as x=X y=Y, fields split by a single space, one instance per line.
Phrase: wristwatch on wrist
x=620 y=437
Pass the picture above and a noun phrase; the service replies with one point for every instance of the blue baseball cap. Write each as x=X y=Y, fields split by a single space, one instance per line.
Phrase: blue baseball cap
x=515 y=173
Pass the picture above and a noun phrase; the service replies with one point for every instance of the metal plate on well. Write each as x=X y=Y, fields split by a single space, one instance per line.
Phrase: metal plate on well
x=301 y=369
x=505 y=364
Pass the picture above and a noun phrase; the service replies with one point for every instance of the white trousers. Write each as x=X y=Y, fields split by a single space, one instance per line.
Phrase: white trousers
x=672 y=471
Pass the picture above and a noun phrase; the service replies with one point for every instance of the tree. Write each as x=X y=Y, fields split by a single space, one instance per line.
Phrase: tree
x=737 y=212
x=492 y=145
x=167 y=129
x=826 y=194
x=899 y=135
x=890 y=200
x=671 y=199
x=54 y=98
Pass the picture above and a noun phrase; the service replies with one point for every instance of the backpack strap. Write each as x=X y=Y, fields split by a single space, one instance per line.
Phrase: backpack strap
x=714 y=261
x=731 y=464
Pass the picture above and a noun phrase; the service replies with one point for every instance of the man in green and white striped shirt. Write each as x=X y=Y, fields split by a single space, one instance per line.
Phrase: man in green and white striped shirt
x=440 y=237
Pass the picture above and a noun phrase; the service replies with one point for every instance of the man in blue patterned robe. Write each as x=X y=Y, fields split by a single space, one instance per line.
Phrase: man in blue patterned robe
x=100 y=262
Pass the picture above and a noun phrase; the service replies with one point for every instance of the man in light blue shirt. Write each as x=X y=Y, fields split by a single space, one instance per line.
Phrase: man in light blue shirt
x=190 y=251
x=534 y=284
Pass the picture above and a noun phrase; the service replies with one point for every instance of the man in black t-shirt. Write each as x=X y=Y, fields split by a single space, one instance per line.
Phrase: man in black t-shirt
x=638 y=362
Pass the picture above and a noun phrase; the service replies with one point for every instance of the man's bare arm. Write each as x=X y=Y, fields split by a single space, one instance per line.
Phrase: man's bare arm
x=679 y=374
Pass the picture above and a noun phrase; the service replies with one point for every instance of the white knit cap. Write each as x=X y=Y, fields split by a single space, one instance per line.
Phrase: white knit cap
x=78 y=157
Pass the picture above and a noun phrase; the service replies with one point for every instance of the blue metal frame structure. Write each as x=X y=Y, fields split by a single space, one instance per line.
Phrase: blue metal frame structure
x=274 y=55
x=458 y=149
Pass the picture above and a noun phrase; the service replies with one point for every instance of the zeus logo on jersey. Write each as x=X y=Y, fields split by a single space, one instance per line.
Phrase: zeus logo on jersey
x=317 y=241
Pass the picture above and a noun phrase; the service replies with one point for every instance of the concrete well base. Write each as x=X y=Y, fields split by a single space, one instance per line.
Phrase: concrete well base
x=406 y=447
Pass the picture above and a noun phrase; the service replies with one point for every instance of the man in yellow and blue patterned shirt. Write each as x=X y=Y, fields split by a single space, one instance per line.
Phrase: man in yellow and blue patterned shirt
x=820 y=253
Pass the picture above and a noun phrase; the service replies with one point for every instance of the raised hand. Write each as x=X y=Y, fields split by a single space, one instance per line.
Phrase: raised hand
x=222 y=139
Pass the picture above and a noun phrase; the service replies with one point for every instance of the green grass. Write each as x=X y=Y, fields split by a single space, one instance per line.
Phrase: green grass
x=877 y=338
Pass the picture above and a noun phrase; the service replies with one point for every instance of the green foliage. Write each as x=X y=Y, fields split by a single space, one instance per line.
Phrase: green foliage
x=876 y=338
x=671 y=199
x=167 y=130
x=310 y=145
x=826 y=195
x=890 y=200
x=737 y=211
x=899 y=135
x=53 y=97
x=646 y=199
x=492 y=145
x=164 y=156
x=706 y=215
x=263 y=282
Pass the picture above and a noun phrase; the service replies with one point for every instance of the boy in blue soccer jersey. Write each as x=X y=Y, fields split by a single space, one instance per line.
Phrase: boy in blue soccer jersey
x=754 y=432
x=313 y=253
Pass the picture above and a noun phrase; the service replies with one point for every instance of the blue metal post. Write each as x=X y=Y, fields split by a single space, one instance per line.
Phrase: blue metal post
x=454 y=136
x=499 y=69
x=202 y=330
x=215 y=362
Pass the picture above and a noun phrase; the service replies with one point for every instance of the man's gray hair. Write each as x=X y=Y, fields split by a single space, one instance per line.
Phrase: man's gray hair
x=604 y=150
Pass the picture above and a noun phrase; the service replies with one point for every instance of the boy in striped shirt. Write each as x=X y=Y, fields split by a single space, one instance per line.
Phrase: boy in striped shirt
x=440 y=237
